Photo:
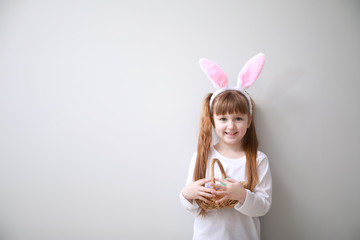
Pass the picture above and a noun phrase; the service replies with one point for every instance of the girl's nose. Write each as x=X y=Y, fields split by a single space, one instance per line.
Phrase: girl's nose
x=231 y=124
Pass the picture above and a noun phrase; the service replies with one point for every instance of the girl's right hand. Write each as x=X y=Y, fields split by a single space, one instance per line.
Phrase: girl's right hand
x=196 y=190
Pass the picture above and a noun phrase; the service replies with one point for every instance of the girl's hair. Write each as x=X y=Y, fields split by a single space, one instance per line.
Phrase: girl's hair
x=228 y=102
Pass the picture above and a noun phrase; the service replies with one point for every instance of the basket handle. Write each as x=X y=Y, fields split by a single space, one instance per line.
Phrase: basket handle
x=212 y=175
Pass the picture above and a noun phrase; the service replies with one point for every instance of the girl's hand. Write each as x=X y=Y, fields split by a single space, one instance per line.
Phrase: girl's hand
x=196 y=190
x=230 y=189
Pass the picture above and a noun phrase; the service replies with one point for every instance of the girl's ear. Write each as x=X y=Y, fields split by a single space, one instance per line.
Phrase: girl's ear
x=216 y=75
x=251 y=71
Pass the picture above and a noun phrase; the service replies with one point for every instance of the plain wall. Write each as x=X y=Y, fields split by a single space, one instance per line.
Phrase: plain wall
x=100 y=105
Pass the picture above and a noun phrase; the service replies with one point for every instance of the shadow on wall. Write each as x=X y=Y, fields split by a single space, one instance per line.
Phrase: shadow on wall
x=274 y=132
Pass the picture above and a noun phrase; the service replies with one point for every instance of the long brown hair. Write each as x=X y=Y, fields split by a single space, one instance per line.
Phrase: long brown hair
x=228 y=102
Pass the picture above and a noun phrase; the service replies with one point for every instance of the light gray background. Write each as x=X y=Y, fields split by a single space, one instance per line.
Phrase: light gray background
x=100 y=105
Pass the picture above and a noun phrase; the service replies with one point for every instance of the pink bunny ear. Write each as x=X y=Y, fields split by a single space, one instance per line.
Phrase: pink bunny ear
x=217 y=76
x=251 y=71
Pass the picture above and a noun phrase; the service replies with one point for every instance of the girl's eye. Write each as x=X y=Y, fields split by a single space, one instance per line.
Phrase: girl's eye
x=223 y=119
x=238 y=119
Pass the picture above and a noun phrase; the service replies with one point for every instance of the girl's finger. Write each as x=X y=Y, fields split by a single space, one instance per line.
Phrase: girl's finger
x=208 y=190
x=204 y=199
x=207 y=195
x=220 y=193
x=221 y=200
x=230 y=180
x=204 y=181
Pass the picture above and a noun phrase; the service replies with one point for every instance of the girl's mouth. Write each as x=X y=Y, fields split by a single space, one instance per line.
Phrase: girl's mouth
x=231 y=133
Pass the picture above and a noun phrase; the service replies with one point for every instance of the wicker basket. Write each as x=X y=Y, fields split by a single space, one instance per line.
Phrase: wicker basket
x=212 y=205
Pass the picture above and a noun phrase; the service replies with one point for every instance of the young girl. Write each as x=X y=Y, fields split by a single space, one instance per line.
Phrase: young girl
x=229 y=111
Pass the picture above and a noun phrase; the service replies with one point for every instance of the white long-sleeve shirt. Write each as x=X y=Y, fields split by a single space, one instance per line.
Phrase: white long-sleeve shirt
x=242 y=221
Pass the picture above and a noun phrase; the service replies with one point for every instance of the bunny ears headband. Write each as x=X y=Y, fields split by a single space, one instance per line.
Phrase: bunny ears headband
x=247 y=76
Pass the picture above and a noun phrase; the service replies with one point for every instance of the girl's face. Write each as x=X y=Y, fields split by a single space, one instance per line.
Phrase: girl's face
x=231 y=128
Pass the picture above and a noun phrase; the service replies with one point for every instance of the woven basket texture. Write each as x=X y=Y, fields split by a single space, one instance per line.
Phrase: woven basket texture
x=212 y=205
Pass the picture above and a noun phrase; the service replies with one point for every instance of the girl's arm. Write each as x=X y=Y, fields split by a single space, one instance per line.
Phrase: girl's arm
x=258 y=202
x=194 y=190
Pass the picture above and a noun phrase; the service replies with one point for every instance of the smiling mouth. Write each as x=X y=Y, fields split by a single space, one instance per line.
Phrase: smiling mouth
x=231 y=133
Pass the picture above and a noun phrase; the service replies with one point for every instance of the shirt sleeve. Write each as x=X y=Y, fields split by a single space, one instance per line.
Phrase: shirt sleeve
x=192 y=207
x=258 y=202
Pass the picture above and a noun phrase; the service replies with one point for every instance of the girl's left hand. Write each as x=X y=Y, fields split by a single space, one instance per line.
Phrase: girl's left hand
x=230 y=189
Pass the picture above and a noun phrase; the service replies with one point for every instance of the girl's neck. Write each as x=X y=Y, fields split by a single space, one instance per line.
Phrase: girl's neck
x=230 y=151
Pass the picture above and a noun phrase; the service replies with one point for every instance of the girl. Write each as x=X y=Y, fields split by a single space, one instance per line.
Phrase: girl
x=229 y=111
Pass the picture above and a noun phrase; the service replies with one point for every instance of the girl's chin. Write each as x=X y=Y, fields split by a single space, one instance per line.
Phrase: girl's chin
x=231 y=141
